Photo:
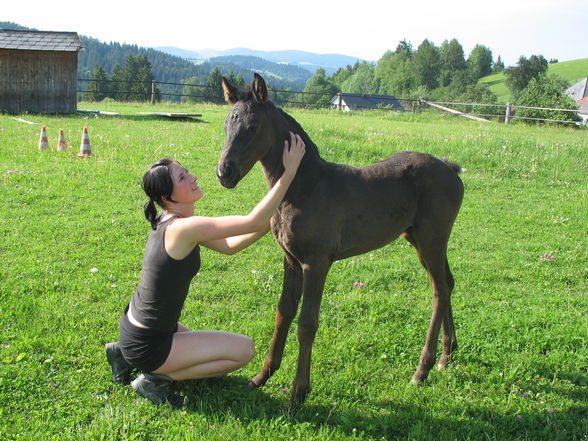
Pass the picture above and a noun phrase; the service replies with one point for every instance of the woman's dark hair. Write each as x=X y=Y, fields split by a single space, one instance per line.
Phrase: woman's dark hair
x=157 y=184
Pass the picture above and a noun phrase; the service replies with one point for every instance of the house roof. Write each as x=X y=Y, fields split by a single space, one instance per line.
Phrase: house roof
x=40 y=40
x=365 y=101
x=583 y=103
x=578 y=90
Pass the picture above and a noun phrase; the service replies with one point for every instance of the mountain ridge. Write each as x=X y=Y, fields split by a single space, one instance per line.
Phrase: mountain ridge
x=308 y=60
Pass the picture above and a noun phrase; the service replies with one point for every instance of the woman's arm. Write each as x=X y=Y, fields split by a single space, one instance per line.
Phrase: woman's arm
x=232 y=245
x=198 y=229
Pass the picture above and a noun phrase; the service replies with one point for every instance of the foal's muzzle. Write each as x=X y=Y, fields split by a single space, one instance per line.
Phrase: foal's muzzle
x=227 y=174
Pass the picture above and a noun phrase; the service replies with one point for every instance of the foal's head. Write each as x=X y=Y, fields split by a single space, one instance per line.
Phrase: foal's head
x=250 y=135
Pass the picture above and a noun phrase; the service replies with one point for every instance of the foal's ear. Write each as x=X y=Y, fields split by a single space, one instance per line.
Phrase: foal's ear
x=229 y=91
x=259 y=89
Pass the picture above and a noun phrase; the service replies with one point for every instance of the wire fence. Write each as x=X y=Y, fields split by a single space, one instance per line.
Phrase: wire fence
x=190 y=92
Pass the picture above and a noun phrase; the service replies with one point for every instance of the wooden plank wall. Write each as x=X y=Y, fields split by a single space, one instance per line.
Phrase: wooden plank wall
x=38 y=81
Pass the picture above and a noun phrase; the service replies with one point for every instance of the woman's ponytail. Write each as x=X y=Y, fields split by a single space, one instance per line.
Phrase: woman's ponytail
x=158 y=185
x=151 y=213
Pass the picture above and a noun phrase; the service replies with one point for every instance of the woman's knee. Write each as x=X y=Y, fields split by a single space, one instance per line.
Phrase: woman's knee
x=247 y=350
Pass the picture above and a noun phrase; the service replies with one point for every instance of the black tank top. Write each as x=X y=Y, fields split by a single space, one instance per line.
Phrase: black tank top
x=163 y=287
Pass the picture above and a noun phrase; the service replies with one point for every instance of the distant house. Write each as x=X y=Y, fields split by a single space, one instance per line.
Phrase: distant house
x=579 y=93
x=38 y=71
x=359 y=101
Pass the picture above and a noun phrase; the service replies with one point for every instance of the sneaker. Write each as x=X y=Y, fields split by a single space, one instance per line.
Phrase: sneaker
x=157 y=388
x=121 y=370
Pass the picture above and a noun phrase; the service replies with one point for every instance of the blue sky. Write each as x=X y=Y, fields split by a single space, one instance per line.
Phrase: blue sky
x=365 y=29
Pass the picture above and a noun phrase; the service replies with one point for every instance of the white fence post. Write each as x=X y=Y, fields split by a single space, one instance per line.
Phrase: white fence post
x=508 y=112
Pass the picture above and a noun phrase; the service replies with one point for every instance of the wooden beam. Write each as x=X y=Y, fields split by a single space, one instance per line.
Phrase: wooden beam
x=455 y=112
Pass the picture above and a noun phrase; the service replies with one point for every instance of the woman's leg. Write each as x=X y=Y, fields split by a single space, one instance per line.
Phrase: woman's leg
x=205 y=354
x=182 y=328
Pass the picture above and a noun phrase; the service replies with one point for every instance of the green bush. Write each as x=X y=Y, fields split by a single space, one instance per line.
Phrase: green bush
x=545 y=91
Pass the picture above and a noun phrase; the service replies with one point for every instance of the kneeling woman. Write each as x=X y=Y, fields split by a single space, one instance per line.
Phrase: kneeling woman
x=151 y=338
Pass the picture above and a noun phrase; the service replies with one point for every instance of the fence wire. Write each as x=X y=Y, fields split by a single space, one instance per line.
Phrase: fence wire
x=298 y=99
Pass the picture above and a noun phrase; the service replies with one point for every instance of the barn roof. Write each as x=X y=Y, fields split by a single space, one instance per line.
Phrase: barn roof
x=40 y=40
x=366 y=101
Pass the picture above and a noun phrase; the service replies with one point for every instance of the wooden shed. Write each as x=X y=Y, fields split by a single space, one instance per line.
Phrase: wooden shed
x=38 y=71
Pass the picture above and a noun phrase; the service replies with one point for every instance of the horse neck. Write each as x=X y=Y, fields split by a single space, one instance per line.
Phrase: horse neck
x=282 y=125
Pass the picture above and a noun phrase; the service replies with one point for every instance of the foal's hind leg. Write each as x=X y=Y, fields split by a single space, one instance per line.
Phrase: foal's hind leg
x=287 y=307
x=449 y=338
x=431 y=252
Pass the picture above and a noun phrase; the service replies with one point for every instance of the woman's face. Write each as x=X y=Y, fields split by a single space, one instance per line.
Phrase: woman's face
x=186 y=189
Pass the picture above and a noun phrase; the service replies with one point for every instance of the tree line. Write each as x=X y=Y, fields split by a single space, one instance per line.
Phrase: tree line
x=429 y=71
x=445 y=74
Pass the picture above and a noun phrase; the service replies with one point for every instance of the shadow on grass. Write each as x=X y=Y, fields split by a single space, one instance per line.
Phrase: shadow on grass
x=229 y=397
x=148 y=118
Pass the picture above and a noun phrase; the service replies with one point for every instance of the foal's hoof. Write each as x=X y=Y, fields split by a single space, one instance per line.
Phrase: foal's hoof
x=296 y=401
x=251 y=385
x=418 y=379
x=292 y=407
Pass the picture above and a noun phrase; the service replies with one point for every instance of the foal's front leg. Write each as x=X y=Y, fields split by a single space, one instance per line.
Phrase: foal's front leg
x=314 y=275
x=286 y=311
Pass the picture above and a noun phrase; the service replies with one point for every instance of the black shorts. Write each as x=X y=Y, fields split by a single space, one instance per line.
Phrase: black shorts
x=144 y=349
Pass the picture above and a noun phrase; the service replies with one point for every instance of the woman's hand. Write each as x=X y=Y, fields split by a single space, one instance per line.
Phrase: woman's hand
x=293 y=153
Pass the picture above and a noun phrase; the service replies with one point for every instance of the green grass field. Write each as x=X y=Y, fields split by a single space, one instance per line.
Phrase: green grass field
x=571 y=71
x=72 y=238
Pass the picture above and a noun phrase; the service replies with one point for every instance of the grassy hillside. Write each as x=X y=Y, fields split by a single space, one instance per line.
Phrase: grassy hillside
x=571 y=71
x=72 y=238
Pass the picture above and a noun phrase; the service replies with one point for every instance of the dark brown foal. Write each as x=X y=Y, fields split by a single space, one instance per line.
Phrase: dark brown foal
x=333 y=211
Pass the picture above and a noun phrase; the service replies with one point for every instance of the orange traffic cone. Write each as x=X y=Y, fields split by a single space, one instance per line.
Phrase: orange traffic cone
x=61 y=145
x=85 y=150
x=43 y=143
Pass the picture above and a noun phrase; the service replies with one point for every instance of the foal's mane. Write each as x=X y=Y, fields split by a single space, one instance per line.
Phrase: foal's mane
x=294 y=126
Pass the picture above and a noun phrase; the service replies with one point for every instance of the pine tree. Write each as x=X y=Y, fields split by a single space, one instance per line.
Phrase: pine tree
x=498 y=65
x=98 y=87
x=118 y=84
x=214 y=92
x=144 y=79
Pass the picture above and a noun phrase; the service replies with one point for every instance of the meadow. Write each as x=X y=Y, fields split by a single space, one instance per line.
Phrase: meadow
x=72 y=233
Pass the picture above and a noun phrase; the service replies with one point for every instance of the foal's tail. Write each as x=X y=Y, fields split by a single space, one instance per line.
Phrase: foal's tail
x=453 y=166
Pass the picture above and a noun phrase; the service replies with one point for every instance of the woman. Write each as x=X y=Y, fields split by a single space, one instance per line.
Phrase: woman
x=151 y=338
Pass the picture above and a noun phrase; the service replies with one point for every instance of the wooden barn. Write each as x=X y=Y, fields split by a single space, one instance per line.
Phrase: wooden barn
x=38 y=71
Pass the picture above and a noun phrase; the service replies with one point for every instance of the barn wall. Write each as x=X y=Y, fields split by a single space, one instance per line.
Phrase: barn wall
x=38 y=81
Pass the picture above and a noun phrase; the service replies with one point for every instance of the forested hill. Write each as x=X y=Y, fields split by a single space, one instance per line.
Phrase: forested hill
x=273 y=72
x=173 y=69
x=163 y=66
